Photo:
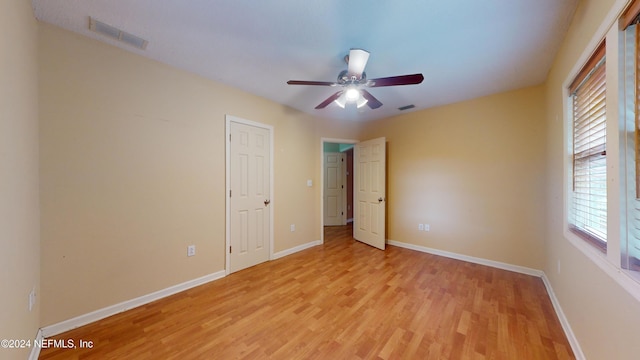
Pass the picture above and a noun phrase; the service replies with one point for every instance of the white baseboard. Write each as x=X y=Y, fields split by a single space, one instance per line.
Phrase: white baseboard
x=93 y=316
x=295 y=249
x=573 y=341
x=66 y=325
x=471 y=259
x=35 y=350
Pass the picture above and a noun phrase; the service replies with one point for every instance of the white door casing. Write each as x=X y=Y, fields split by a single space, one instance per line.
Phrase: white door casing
x=249 y=210
x=369 y=192
x=333 y=189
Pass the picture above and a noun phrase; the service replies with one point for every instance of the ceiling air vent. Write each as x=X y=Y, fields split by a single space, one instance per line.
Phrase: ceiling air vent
x=406 y=107
x=117 y=34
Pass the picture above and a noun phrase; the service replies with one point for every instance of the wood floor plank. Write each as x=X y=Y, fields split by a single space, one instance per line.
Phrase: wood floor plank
x=341 y=300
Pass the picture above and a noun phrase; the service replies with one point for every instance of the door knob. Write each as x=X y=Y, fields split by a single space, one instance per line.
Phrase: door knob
x=267 y=202
x=380 y=199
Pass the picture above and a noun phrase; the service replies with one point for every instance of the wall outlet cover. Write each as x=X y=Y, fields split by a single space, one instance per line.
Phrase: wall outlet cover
x=32 y=298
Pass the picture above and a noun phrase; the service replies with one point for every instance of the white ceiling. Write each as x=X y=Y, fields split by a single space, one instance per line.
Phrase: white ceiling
x=464 y=48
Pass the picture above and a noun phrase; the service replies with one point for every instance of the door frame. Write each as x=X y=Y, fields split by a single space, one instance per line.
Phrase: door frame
x=324 y=140
x=228 y=120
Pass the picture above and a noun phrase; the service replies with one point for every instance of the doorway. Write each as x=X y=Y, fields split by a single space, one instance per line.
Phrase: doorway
x=336 y=183
x=369 y=196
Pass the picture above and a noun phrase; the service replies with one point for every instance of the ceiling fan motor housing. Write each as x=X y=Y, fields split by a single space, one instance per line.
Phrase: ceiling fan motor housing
x=343 y=78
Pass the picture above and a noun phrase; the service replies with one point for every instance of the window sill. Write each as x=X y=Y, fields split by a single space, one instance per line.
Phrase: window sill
x=634 y=275
x=591 y=240
x=629 y=280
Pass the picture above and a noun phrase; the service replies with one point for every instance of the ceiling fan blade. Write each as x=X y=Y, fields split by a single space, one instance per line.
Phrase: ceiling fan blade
x=357 y=61
x=329 y=100
x=397 y=80
x=303 y=82
x=372 y=102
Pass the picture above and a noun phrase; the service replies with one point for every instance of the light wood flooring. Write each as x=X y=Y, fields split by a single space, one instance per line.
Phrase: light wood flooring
x=340 y=300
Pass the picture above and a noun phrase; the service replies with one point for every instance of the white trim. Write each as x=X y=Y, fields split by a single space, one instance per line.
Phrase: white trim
x=573 y=341
x=614 y=180
x=296 y=249
x=571 y=337
x=228 y=120
x=93 y=316
x=471 y=259
x=35 y=350
x=322 y=141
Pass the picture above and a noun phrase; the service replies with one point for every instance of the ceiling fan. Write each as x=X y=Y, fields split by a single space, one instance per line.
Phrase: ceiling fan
x=354 y=80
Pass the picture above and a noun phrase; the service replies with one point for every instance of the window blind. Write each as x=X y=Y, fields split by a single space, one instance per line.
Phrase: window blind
x=588 y=216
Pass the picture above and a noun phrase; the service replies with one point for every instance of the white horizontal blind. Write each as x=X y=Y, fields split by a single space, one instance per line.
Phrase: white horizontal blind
x=589 y=201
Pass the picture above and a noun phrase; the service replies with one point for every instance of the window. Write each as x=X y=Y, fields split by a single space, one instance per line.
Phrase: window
x=602 y=148
x=588 y=205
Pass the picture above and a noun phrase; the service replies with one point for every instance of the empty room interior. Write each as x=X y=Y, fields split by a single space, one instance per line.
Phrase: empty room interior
x=191 y=179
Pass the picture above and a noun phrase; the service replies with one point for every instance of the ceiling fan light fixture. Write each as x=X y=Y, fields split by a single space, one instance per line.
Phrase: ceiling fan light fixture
x=352 y=94
x=341 y=101
x=361 y=102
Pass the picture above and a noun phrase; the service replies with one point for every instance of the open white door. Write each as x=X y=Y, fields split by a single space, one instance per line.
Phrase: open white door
x=369 y=192
x=333 y=189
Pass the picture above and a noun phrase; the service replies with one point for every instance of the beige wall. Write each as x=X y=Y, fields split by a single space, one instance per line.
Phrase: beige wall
x=604 y=317
x=132 y=171
x=19 y=210
x=473 y=171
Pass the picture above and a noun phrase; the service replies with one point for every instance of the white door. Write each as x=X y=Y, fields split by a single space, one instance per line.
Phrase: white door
x=333 y=188
x=250 y=210
x=369 y=192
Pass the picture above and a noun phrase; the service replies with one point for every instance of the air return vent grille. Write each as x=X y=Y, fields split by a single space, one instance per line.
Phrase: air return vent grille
x=117 y=34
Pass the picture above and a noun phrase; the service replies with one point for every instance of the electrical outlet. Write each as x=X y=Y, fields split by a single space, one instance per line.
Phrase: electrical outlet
x=32 y=298
x=420 y=227
x=191 y=250
x=427 y=227
x=293 y=227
